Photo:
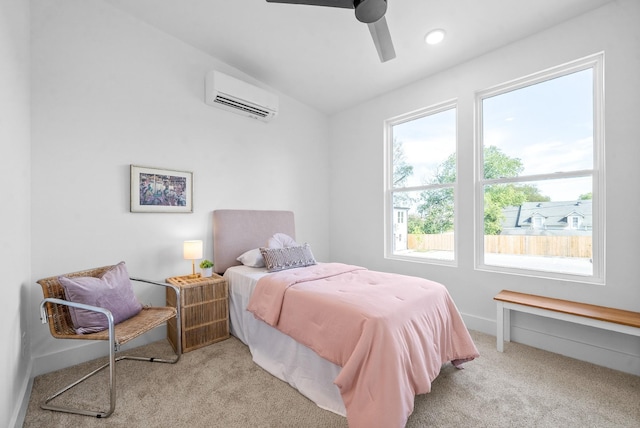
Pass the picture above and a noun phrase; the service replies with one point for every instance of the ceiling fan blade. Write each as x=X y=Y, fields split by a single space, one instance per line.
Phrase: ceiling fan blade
x=382 y=39
x=347 y=4
x=370 y=12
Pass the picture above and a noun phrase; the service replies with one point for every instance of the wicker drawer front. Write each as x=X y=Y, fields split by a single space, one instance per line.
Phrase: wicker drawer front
x=205 y=311
x=205 y=335
x=204 y=293
x=212 y=311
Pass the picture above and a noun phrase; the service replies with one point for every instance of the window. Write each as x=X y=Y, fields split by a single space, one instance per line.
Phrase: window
x=575 y=222
x=537 y=222
x=539 y=187
x=420 y=185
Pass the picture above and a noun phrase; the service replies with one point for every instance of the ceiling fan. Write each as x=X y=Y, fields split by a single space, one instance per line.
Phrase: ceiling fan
x=371 y=12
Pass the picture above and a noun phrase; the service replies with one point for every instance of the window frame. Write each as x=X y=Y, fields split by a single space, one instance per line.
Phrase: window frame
x=596 y=63
x=389 y=190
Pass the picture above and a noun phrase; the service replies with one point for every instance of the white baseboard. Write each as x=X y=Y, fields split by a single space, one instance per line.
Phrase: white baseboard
x=67 y=358
x=80 y=353
x=590 y=352
x=601 y=347
x=20 y=412
x=483 y=325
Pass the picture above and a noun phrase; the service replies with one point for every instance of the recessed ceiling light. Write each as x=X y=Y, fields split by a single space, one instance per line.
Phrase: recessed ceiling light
x=434 y=37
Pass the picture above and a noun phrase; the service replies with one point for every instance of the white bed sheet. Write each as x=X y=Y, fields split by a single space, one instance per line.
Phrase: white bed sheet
x=276 y=352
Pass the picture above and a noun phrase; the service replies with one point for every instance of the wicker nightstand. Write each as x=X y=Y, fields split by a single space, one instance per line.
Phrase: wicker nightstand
x=205 y=311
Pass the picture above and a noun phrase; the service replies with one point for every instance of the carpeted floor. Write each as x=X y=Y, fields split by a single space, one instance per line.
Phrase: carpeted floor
x=220 y=386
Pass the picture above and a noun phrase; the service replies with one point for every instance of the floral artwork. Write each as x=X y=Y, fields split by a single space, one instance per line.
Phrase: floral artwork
x=158 y=190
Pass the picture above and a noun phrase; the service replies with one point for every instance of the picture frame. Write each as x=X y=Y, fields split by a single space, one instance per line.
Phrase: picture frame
x=156 y=190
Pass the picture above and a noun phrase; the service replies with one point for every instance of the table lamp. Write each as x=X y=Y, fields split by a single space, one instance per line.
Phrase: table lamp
x=193 y=252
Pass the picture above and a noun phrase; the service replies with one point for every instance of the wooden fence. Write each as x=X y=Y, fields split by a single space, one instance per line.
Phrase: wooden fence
x=558 y=246
x=439 y=242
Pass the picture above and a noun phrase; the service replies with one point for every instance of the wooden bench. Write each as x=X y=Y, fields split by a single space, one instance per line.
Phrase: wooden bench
x=582 y=313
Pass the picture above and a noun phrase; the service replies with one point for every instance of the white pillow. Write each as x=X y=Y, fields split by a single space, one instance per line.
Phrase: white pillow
x=281 y=240
x=252 y=258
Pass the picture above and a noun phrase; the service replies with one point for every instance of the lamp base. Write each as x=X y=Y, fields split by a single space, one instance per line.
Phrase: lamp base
x=193 y=270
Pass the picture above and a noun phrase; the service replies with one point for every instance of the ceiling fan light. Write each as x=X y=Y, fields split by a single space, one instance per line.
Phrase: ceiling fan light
x=434 y=37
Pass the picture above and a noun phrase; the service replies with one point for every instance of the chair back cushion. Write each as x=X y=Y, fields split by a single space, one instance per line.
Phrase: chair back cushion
x=112 y=290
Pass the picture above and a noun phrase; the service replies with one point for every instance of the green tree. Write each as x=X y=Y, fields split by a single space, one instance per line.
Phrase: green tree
x=415 y=224
x=401 y=172
x=586 y=196
x=436 y=210
x=498 y=196
x=499 y=165
x=446 y=171
x=492 y=215
x=436 y=206
x=532 y=194
x=401 y=169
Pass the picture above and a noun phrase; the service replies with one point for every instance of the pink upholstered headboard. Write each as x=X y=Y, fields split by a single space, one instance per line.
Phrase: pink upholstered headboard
x=237 y=231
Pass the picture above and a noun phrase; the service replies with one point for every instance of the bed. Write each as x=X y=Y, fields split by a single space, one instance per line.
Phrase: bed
x=375 y=392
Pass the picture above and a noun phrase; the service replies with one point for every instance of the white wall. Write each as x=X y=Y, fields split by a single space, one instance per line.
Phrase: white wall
x=357 y=169
x=110 y=91
x=15 y=237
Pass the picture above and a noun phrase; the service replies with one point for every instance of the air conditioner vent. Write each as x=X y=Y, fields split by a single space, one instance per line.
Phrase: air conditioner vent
x=230 y=102
x=240 y=97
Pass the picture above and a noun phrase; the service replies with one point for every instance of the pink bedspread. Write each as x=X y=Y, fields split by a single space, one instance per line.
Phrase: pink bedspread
x=390 y=333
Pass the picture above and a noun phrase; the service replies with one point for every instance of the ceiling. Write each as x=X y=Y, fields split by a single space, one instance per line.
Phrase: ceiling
x=326 y=59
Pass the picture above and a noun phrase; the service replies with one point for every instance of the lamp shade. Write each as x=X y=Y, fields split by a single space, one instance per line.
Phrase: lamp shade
x=192 y=250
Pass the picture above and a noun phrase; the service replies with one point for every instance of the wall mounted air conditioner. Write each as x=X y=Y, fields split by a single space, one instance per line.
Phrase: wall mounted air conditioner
x=240 y=97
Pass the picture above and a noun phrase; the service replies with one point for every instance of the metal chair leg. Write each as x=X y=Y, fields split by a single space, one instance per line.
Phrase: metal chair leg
x=112 y=383
x=112 y=375
x=114 y=346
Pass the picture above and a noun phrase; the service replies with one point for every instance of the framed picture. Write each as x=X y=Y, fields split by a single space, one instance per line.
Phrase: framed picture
x=155 y=190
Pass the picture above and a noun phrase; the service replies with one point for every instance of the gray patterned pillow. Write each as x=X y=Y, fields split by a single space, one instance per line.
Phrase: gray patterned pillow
x=276 y=259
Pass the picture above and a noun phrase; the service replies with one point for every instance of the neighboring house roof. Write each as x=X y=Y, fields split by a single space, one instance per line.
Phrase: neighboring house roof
x=555 y=215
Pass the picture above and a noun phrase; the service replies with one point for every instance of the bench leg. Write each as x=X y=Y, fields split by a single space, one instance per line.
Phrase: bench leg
x=503 y=322
x=507 y=324
x=500 y=327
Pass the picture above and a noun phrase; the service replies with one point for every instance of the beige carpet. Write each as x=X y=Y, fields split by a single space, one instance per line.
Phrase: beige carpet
x=220 y=386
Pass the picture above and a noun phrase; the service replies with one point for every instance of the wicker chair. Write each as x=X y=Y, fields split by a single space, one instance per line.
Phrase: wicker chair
x=54 y=309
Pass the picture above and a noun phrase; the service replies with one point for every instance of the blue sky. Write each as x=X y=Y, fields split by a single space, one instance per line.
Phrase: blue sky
x=427 y=142
x=549 y=126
